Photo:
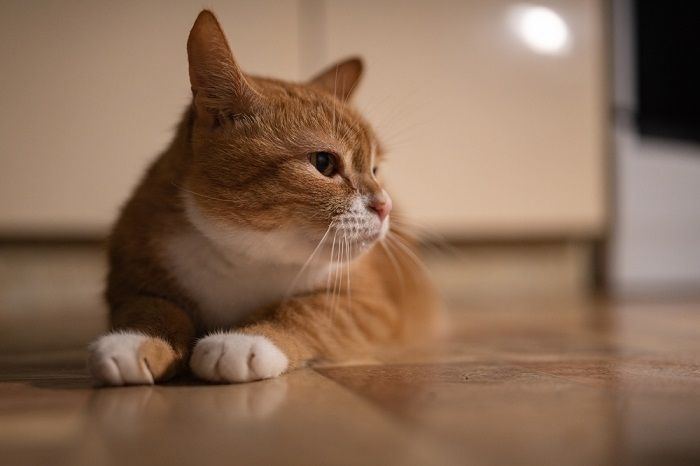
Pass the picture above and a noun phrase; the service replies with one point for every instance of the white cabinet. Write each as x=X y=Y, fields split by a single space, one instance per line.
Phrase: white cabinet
x=90 y=92
x=486 y=136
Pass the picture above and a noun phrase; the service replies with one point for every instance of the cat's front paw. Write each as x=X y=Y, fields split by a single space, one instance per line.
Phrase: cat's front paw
x=130 y=358
x=236 y=357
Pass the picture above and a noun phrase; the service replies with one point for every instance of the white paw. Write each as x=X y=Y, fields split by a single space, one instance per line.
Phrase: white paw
x=114 y=359
x=235 y=357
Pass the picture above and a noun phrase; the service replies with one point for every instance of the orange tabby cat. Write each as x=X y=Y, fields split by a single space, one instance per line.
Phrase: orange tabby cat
x=260 y=240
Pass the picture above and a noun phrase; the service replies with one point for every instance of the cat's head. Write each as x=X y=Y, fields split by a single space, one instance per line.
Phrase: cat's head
x=279 y=166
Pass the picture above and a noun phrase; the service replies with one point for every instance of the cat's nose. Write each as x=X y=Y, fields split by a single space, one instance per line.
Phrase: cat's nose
x=381 y=205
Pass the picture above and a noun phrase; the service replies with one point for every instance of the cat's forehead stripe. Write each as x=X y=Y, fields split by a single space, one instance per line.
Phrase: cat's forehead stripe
x=362 y=155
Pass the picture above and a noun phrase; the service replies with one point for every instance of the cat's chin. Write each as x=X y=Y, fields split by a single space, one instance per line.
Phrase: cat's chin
x=369 y=239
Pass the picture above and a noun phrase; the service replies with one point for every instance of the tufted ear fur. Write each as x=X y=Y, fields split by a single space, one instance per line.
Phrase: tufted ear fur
x=219 y=87
x=340 y=79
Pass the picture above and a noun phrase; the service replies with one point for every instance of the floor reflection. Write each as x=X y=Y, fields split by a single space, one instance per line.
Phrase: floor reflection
x=130 y=406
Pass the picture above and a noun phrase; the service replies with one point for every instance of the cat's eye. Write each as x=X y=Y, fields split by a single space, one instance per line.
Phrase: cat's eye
x=374 y=171
x=325 y=162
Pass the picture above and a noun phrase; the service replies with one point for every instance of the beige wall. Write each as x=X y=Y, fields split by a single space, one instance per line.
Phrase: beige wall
x=485 y=137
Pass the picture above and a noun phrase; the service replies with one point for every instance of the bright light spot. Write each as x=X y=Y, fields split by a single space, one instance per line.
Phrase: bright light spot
x=540 y=28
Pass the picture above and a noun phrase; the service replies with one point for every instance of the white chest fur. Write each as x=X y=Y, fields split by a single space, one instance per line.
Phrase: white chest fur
x=227 y=273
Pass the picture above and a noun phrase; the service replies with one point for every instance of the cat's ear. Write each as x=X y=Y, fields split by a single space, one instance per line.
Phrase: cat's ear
x=340 y=79
x=219 y=87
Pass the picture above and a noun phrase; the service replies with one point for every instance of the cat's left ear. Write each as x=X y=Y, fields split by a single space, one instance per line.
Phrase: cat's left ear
x=340 y=79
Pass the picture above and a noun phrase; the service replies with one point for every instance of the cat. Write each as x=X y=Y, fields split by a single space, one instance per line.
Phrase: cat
x=260 y=241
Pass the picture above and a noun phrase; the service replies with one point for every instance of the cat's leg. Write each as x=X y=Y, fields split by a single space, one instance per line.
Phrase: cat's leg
x=150 y=341
x=300 y=330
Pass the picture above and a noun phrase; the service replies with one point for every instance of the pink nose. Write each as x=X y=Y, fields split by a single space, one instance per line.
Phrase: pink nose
x=382 y=206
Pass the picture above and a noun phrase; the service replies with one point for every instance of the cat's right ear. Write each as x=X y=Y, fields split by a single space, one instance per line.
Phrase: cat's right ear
x=219 y=87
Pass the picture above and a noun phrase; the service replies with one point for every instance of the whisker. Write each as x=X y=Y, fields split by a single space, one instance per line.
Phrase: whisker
x=396 y=240
x=331 y=268
x=340 y=275
x=394 y=264
x=337 y=281
x=429 y=239
x=348 y=291
x=306 y=264
x=335 y=92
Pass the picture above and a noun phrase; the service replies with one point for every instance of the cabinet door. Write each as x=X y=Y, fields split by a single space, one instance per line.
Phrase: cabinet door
x=486 y=135
x=90 y=92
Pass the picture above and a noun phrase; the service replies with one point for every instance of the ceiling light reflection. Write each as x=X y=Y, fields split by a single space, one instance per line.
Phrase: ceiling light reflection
x=541 y=29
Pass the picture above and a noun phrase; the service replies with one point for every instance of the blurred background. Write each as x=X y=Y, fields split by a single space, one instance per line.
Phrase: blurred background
x=545 y=151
